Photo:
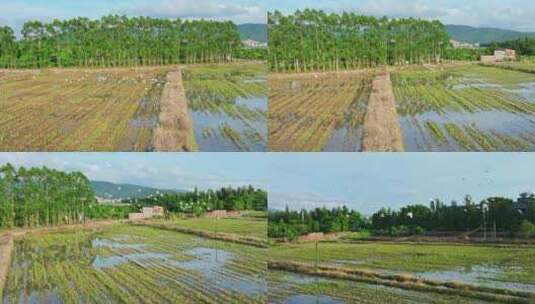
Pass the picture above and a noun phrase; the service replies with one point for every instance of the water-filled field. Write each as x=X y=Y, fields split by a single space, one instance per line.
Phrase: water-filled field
x=466 y=108
x=318 y=112
x=490 y=269
x=132 y=264
x=228 y=105
x=295 y=288
x=79 y=109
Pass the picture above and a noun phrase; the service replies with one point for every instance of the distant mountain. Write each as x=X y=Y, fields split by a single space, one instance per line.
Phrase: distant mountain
x=121 y=191
x=253 y=31
x=482 y=35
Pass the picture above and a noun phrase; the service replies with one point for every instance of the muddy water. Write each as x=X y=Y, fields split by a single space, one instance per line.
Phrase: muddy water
x=482 y=275
x=229 y=125
x=494 y=123
x=205 y=260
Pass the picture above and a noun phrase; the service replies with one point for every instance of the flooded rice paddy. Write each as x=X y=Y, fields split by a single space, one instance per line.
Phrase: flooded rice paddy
x=228 y=106
x=319 y=112
x=468 y=108
x=292 y=288
x=128 y=264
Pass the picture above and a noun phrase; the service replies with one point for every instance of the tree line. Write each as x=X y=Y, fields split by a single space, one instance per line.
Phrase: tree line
x=119 y=41
x=201 y=201
x=506 y=215
x=42 y=197
x=314 y=40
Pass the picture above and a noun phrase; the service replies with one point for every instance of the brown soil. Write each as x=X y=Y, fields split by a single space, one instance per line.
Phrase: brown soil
x=175 y=129
x=382 y=132
x=6 y=252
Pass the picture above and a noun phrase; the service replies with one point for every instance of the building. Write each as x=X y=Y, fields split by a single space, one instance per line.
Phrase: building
x=147 y=213
x=254 y=44
x=500 y=55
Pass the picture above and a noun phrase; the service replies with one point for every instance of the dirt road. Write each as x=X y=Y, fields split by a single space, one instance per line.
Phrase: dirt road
x=6 y=252
x=382 y=132
x=175 y=129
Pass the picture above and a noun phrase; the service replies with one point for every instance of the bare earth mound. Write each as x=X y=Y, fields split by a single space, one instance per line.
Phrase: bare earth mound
x=175 y=130
x=382 y=132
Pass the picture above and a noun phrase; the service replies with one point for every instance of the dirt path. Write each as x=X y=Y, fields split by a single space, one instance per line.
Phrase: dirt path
x=382 y=132
x=6 y=252
x=175 y=129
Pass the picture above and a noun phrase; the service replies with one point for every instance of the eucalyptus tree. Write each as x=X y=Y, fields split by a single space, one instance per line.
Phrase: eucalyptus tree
x=314 y=40
x=119 y=41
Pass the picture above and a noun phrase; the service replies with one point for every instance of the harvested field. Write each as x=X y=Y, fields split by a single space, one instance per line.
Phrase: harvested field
x=466 y=108
x=228 y=106
x=80 y=109
x=318 y=112
x=132 y=264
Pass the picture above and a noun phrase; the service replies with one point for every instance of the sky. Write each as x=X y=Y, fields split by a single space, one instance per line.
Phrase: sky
x=178 y=171
x=363 y=181
x=367 y=182
x=15 y=12
x=507 y=14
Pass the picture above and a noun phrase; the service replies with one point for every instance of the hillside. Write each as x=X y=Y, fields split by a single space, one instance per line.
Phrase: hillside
x=470 y=34
x=120 y=191
x=253 y=31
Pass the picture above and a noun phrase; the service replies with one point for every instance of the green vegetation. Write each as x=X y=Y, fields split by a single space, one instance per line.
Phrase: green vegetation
x=514 y=261
x=508 y=216
x=228 y=105
x=198 y=202
x=245 y=226
x=445 y=107
x=132 y=264
x=291 y=224
x=314 y=40
x=286 y=285
x=305 y=112
x=42 y=197
x=118 y=41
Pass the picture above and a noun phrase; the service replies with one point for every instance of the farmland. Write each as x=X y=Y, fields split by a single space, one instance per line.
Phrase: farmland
x=462 y=107
x=318 y=112
x=134 y=109
x=246 y=226
x=228 y=105
x=78 y=109
x=465 y=108
x=133 y=264
x=408 y=271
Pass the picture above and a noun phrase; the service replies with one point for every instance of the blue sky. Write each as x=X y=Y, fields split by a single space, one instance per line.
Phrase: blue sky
x=163 y=170
x=365 y=182
x=16 y=12
x=368 y=182
x=509 y=14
